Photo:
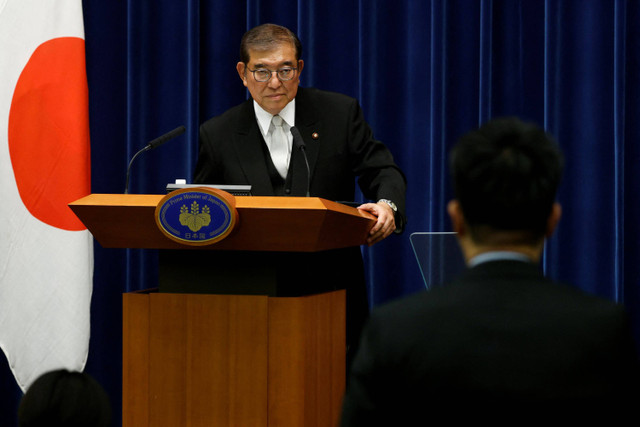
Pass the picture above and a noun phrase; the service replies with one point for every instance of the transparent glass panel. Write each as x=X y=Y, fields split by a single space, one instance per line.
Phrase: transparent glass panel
x=439 y=257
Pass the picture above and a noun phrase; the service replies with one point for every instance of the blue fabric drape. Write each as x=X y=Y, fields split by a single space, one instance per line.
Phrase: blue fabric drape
x=425 y=72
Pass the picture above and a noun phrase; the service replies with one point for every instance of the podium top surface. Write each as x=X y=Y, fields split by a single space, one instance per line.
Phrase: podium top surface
x=294 y=224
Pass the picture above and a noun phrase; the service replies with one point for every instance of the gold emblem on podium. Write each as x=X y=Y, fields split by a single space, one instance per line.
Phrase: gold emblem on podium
x=195 y=219
x=196 y=216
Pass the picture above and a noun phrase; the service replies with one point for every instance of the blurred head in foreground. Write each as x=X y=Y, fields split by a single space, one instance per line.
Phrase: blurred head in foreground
x=64 y=398
x=505 y=178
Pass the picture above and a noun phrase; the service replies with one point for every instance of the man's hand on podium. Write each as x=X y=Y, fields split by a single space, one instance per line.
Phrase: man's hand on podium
x=386 y=223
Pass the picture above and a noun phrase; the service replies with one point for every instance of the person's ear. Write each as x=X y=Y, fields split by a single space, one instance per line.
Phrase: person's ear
x=300 y=66
x=457 y=217
x=241 y=68
x=554 y=218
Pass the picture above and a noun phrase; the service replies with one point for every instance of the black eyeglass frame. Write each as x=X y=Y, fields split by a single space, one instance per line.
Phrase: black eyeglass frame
x=271 y=73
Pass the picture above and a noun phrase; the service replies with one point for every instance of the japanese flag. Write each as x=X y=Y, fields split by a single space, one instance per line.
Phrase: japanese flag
x=46 y=258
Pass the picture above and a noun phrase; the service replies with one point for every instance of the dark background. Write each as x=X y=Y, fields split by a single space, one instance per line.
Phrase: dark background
x=425 y=72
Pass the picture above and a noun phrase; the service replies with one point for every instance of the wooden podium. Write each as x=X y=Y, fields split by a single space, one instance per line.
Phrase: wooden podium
x=194 y=359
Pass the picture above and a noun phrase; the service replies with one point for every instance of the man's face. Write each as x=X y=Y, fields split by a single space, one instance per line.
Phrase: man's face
x=272 y=95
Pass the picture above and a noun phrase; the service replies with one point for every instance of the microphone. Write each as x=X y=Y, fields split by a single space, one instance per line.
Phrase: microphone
x=150 y=146
x=164 y=138
x=299 y=143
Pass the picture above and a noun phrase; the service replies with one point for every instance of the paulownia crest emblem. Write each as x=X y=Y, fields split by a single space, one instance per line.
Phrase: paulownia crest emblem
x=194 y=219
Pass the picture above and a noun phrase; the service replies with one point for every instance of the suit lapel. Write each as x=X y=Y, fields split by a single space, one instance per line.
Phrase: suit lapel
x=248 y=143
x=307 y=121
x=249 y=146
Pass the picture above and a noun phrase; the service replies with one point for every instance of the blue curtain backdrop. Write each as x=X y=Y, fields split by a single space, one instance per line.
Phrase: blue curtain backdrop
x=425 y=72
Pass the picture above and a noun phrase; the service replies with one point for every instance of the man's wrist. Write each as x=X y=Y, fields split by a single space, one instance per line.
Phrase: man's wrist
x=389 y=203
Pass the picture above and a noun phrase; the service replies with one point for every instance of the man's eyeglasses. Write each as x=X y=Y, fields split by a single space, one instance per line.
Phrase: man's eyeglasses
x=264 y=75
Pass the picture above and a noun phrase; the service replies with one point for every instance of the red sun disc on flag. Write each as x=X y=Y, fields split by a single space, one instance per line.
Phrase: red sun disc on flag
x=49 y=132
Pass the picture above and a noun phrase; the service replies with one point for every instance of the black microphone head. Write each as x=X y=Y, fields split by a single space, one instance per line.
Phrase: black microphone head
x=297 y=138
x=150 y=146
x=166 y=137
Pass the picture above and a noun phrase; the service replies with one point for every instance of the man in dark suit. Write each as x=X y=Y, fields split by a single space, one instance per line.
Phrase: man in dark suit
x=501 y=337
x=252 y=144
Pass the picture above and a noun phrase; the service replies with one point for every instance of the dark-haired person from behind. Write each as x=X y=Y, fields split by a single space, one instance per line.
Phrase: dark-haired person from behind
x=501 y=340
x=64 y=398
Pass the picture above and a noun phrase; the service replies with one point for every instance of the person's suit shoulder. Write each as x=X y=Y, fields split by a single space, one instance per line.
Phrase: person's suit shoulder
x=570 y=297
x=228 y=120
x=404 y=311
x=323 y=98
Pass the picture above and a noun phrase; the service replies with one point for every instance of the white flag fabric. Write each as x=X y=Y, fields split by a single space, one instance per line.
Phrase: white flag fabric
x=46 y=254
